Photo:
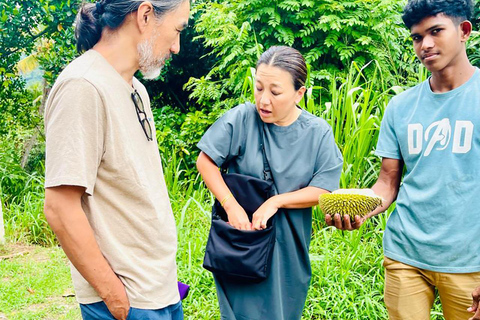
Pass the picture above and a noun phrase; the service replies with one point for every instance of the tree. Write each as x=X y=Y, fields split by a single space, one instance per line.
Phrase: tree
x=329 y=33
x=22 y=25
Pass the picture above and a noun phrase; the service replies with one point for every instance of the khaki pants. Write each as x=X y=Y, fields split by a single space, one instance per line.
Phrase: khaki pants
x=410 y=292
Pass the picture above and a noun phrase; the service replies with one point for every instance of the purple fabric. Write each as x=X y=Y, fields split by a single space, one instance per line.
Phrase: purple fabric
x=183 y=290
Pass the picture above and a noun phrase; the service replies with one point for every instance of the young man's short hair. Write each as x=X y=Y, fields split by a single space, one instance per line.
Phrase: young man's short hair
x=417 y=10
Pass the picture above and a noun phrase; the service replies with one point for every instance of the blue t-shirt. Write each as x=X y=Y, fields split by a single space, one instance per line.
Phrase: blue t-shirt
x=435 y=223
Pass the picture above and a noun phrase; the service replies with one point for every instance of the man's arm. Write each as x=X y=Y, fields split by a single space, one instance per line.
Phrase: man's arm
x=387 y=186
x=65 y=215
x=475 y=307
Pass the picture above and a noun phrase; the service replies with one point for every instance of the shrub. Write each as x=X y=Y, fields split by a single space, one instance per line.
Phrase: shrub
x=330 y=34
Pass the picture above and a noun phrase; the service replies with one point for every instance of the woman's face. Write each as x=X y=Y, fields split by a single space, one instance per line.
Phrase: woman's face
x=275 y=95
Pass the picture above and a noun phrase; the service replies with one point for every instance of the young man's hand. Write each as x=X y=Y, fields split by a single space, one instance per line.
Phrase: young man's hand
x=345 y=223
x=475 y=307
x=387 y=186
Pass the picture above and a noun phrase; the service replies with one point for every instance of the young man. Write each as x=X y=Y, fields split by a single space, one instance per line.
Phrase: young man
x=105 y=196
x=431 y=239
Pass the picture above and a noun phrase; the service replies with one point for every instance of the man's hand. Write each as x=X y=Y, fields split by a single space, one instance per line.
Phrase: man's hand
x=475 y=308
x=387 y=186
x=65 y=215
x=117 y=301
x=264 y=213
x=345 y=223
x=237 y=217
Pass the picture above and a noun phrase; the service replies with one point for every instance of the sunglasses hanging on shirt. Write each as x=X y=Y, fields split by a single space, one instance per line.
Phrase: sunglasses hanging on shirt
x=141 y=115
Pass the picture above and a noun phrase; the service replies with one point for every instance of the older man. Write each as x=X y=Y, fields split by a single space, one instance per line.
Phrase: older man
x=105 y=195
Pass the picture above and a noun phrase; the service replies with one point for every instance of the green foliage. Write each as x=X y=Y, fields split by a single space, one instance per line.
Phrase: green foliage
x=179 y=133
x=476 y=16
x=22 y=195
x=355 y=113
x=472 y=48
x=36 y=285
x=56 y=52
x=24 y=22
x=22 y=25
x=330 y=34
x=235 y=46
x=15 y=103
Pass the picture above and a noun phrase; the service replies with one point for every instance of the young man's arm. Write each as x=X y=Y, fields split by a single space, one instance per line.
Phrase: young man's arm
x=65 y=215
x=475 y=305
x=387 y=186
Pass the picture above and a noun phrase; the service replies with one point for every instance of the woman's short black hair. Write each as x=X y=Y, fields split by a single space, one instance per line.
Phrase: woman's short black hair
x=287 y=59
x=417 y=10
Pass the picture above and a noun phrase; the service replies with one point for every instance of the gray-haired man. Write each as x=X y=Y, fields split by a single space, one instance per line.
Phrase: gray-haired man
x=105 y=195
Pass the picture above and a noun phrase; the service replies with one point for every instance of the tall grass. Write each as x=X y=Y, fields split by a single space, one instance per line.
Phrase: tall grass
x=22 y=195
x=354 y=112
x=191 y=203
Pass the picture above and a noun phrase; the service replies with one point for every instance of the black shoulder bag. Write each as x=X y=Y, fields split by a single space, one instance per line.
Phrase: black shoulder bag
x=238 y=254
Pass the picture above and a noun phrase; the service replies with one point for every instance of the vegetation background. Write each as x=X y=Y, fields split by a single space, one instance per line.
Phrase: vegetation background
x=359 y=55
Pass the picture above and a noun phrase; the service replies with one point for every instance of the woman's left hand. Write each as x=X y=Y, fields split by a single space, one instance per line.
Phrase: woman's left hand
x=264 y=213
x=303 y=198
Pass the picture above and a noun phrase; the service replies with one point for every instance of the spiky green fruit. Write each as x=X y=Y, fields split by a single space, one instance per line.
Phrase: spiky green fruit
x=349 y=201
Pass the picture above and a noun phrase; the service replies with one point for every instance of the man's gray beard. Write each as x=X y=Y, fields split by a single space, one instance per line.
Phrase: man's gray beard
x=150 y=67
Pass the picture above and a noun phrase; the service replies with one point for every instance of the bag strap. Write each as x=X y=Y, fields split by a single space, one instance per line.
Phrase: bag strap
x=267 y=172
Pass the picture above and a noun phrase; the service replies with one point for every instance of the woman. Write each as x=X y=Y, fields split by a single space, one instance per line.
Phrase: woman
x=305 y=162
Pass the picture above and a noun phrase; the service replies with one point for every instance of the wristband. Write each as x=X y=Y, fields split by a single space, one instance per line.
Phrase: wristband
x=228 y=196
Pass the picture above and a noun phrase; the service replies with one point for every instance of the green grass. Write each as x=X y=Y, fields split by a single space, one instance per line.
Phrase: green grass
x=33 y=285
x=347 y=279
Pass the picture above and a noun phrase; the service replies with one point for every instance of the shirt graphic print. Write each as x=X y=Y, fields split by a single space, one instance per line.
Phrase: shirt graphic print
x=438 y=136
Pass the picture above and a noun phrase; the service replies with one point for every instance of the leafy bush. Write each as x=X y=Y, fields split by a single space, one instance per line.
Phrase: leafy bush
x=22 y=196
x=330 y=34
x=472 y=48
x=23 y=24
x=178 y=134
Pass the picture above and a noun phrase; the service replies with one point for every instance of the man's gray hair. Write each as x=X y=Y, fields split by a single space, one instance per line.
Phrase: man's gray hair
x=92 y=18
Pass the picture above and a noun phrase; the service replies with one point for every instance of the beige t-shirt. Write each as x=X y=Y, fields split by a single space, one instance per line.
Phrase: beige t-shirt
x=94 y=140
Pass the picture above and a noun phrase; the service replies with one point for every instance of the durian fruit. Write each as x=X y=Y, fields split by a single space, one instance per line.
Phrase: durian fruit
x=349 y=201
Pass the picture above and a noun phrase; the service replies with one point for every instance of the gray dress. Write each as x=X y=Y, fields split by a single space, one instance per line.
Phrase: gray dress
x=300 y=155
